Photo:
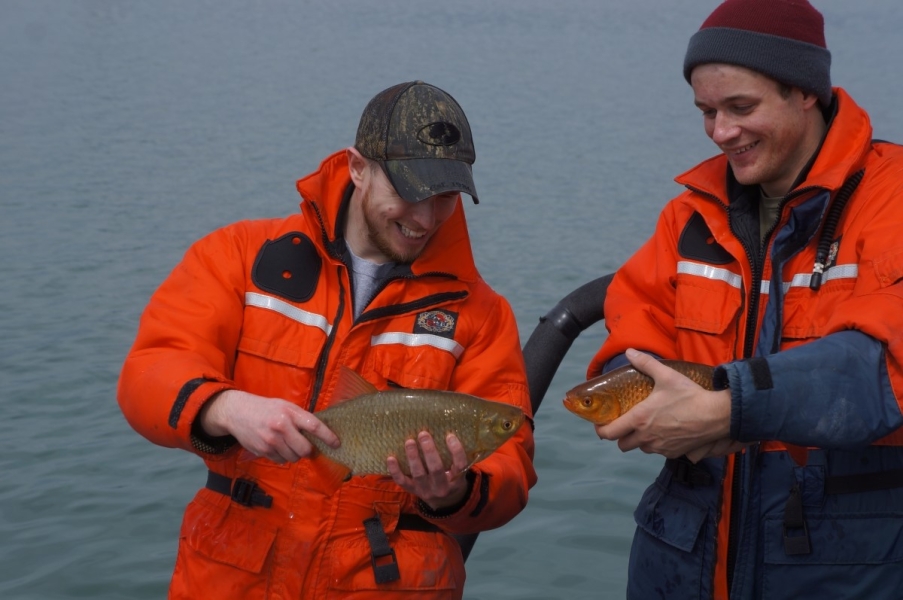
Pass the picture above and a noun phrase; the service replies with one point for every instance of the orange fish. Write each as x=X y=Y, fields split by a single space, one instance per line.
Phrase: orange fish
x=603 y=399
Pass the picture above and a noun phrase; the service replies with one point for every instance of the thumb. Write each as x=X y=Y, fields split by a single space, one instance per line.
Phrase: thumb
x=644 y=363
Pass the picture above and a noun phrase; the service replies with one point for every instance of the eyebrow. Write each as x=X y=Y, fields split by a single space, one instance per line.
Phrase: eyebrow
x=736 y=98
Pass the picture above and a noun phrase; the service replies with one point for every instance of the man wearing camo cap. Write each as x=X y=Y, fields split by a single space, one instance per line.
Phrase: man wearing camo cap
x=249 y=338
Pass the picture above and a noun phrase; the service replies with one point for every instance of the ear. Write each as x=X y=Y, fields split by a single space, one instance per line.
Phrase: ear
x=357 y=165
x=809 y=99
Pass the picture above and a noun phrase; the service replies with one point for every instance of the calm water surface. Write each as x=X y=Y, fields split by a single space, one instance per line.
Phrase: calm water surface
x=129 y=129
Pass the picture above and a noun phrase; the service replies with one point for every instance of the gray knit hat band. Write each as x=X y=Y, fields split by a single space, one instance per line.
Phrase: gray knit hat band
x=786 y=60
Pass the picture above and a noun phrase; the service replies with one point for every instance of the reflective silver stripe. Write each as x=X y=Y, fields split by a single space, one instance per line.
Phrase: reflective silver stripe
x=418 y=339
x=709 y=272
x=835 y=272
x=799 y=280
x=287 y=310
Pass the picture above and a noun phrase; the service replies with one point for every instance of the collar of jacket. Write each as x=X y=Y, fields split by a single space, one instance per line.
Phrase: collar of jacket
x=449 y=250
x=842 y=153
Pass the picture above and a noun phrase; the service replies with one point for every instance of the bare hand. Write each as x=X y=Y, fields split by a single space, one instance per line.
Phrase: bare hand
x=268 y=427
x=429 y=480
x=678 y=416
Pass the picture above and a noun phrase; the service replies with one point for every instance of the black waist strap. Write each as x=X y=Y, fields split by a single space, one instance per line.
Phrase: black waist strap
x=416 y=523
x=248 y=493
x=864 y=482
x=242 y=491
x=684 y=471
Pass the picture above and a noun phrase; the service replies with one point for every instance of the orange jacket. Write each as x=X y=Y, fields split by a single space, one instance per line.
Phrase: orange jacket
x=265 y=306
x=701 y=289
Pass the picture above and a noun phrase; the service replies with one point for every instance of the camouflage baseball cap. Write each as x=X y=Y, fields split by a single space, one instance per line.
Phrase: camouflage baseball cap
x=421 y=138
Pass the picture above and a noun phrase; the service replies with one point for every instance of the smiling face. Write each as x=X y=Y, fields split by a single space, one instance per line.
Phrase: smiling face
x=383 y=227
x=767 y=132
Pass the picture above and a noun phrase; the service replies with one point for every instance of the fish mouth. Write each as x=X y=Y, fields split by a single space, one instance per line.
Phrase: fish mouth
x=569 y=403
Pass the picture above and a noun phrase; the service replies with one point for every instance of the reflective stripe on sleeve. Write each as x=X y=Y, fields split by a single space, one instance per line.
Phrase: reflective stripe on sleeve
x=287 y=310
x=418 y=339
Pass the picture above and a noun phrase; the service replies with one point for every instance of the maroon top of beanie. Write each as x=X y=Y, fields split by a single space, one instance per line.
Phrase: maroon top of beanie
x=794 y=19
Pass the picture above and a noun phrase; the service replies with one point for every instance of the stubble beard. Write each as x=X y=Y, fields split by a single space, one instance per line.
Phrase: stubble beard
x=378 y=239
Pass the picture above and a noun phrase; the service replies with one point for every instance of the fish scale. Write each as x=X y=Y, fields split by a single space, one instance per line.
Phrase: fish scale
x=374 y=426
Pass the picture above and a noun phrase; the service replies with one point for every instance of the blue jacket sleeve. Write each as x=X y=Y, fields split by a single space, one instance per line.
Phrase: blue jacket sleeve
x=831 y=393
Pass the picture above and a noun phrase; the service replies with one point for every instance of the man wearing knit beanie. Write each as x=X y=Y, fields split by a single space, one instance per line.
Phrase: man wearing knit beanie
x=781 y=265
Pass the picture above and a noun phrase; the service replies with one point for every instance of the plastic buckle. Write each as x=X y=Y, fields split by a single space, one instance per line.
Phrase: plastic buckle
x=794 y=519
x=247 y=493
x=382 y=556
x=386 y=572
x=795 y=545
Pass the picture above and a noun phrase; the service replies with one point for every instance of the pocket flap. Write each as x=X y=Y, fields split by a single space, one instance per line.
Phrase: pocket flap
x=227 y=536
x=889 y=267
x=288 y=354
x=702 y=304
x=669 y=518
x=837 y=540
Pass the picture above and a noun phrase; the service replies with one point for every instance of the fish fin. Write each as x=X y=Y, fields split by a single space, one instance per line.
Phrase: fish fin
x=350 y=385
x=800 y=454
x=334 y=473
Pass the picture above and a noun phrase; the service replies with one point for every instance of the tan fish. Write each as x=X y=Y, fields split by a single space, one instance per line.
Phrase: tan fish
x=373 y=425
x=604 y=398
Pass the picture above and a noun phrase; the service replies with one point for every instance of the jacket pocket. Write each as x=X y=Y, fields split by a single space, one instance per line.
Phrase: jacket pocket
x=664 y=554
x=852 y=556
x=276 y=368
x=425 y=366
x=428 y=562
x=805 y=317
x=221 y=551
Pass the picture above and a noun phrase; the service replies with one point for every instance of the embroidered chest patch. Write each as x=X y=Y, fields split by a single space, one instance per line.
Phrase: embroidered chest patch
x=436 y=322
x=831 y=260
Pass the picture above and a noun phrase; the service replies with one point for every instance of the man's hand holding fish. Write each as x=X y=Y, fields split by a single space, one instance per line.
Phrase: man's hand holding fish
x=679 y=416
x=430 y=481
x=267 y=427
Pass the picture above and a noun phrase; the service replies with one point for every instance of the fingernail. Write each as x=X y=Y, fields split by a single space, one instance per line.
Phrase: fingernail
x=631 y=353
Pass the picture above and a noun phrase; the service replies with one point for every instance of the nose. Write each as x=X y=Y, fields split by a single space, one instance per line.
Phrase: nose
x=424 y=213
x=724 y=129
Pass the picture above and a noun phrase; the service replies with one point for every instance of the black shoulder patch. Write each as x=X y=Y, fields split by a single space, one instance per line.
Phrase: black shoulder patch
x=288 y=267
x=697 y=242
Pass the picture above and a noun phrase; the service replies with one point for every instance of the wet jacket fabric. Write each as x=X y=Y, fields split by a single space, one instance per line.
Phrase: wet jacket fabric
x=817 y=369
x=266 y=307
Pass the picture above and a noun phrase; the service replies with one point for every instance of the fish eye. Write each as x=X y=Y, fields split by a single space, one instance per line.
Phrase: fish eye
x=587 y=402
x=507 y=425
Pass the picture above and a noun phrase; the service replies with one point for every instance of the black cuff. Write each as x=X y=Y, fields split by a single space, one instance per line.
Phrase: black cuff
x=208 y=444
x=447 y=511
x=720 y=379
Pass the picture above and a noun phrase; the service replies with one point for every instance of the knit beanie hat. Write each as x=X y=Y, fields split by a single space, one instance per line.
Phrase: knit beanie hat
x=782 y=39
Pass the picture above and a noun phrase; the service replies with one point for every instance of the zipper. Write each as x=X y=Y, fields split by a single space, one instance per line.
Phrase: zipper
x=749 y=342
x=419 y=304
x=323 y=360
